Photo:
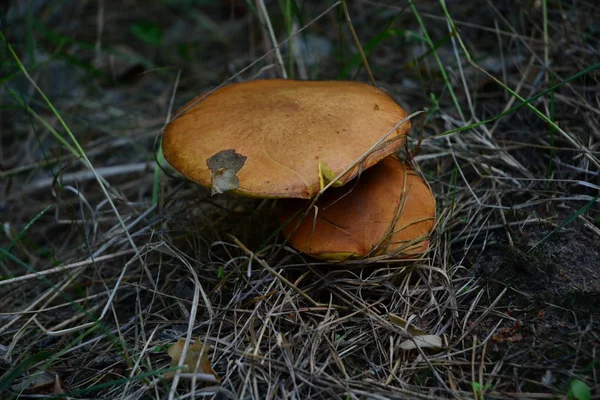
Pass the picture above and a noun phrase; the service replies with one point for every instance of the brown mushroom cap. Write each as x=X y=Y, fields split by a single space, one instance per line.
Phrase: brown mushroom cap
x=388 y=209
x=278 y=138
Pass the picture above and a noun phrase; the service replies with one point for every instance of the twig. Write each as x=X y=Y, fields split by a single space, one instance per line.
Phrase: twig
x=267 y=20
x=66 y=267
x=357 y=43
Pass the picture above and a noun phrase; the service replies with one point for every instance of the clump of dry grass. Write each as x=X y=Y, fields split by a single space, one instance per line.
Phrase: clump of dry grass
x=97 y=283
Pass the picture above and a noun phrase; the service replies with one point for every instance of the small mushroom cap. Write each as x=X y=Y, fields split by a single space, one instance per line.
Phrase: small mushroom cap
x=290 y=136
x=388 y=209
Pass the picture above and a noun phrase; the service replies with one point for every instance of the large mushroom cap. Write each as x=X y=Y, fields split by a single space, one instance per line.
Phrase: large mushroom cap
x=281 y=138
x=388 y=209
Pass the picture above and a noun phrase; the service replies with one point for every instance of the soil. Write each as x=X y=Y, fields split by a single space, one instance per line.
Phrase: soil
x=551 y=303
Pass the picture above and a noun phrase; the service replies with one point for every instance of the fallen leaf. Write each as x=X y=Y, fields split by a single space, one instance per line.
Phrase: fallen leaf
x=326 y=175
x=517 y=337
x=197 y=355
x=59 y=386
x=508 y=334
x=423 y=342
x=579 y=390
x=402 y=323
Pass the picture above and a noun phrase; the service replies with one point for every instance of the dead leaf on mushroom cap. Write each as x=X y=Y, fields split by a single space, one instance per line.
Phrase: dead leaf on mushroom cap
x=224 y=166
x=197 y=355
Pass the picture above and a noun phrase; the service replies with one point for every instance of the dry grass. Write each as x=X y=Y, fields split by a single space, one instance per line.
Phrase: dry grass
x=106 y=260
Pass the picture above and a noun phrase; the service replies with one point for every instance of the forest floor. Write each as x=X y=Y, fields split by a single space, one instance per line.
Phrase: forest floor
x=108 y=257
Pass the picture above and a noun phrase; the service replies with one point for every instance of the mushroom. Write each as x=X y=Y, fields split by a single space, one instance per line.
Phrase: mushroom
x=289 y=139
x=283 y=138
x=388 y=209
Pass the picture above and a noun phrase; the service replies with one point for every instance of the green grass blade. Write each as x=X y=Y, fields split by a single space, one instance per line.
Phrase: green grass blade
x=574 y=216
x=77 y=146
x=385 y=33
x=528 y=104
x=21 y=234
x=9 y=377
x=438 y=60
x=552 y=130
x=525 y=102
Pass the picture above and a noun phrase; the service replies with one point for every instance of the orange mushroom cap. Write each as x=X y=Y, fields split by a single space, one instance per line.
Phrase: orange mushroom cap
x=388 y=209
x=282 y=138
